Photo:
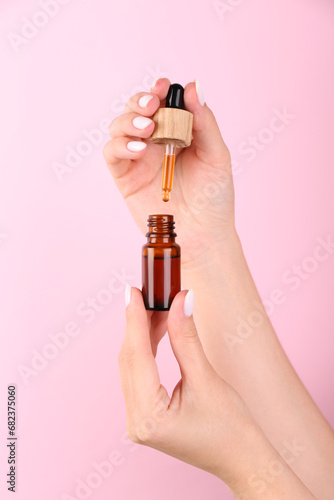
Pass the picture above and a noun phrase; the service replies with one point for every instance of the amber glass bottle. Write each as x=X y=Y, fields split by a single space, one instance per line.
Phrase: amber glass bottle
x=161 y=263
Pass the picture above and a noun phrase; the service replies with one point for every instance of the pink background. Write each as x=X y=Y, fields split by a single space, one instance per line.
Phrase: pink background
x=63 y=242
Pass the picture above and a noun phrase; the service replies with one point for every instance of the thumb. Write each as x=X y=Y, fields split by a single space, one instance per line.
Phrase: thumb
x=207 y=137
x=184 y=338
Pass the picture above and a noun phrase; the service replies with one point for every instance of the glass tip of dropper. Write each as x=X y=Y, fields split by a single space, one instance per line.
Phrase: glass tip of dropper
x=165 y=195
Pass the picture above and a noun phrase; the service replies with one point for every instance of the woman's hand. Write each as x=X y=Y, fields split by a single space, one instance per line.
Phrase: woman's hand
x=200 y=423
x=202 y=199
x=204 y=422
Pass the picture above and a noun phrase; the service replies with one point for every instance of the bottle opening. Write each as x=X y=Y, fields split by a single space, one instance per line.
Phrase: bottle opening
x=161 y=224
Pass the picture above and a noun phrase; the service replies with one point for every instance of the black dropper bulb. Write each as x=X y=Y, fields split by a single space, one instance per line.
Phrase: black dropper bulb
x=174 y=97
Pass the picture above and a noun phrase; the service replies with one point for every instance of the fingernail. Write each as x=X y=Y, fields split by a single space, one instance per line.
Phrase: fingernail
x=188 y=304
x=199 y=91
x=127 y=295
x=154 y=83
x=143 y=101
x=141 y=122
x=136 y=146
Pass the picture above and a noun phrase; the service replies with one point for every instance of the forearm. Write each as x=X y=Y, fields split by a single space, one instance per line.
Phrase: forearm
x=241 y=344
x=266 y=475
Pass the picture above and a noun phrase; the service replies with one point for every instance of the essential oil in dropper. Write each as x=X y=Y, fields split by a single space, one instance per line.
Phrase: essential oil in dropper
x=168 y=172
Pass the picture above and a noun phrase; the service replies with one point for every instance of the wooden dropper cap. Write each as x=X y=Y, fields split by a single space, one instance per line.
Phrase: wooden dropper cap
x=173 y=124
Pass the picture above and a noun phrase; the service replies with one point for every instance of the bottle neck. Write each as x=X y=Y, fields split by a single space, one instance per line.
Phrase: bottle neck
x=161 y=229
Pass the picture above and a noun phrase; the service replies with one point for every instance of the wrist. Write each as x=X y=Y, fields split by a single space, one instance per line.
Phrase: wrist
x=244 y=471
x=215 y=254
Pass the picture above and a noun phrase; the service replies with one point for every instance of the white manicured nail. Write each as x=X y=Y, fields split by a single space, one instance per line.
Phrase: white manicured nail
x=127 y=295
x=141 y=122
x=143 y=101
x=200 y=95
x=136 y=146
x=154 y=83
x=188 y=304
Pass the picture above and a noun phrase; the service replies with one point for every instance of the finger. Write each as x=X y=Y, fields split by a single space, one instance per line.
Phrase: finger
x=138 y=370
x=184 y=338
x=207 y=138
x=131 y=124
x=147 y=104
x=158 y=329
x=119 y=151
x=143 y=103
x=160 y=89
x=137 y=322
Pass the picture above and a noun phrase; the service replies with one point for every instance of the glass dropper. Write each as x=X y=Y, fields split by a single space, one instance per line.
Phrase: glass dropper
x=173 y=128
x=174 y=100
x=168 y=171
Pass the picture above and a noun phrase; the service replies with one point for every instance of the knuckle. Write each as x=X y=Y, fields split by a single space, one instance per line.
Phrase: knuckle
x=117 y=125
x=226 y=152
x=111 y=127
x=146 y=431
x=143 y=431
x=132 y=435
x=222 y=156
x=121 y=355
x=191 y=333
x=107 y=150
x=132 y=103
